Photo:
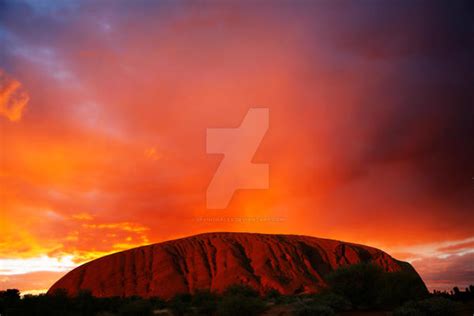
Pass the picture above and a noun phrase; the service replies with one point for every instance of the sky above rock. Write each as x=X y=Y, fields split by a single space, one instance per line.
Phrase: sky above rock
x=104 y=108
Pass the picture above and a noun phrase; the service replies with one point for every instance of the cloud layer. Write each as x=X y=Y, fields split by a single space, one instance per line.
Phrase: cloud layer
x=13 y=98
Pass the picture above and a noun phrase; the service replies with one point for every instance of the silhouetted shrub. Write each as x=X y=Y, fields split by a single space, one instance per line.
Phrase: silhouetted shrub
x=333 y=300
x=286 y=299
x=368 y=286
x=157 y=302
x=180 y=304
x=272 y=295
x=358 y=283
x=238 y=305
x=434 y=306
x=407 y=310
x=240 y=300
x=9 y=300
x=136 y=307
x=313 y=309
x=205 y=302
x=10 y=295
x=438 y=306
x=59 y=293
x=85 y=302
x=396 y=288
x=242 y=290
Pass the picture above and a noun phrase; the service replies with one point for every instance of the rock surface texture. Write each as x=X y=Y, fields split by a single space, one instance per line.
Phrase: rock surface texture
x=290 y=264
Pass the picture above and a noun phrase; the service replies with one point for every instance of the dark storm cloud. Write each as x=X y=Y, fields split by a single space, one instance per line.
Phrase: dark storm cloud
x=423 y=108
x=427 y=29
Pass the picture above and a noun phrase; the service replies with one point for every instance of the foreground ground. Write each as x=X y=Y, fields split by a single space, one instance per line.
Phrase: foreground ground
x=361 y=289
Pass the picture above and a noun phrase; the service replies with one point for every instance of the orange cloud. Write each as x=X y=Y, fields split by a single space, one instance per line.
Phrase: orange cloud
x=83 y=216
x=152 y=154
x=120 y=226
x=13 y=98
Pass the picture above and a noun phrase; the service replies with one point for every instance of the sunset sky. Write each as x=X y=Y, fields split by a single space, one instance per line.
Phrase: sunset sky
x=104 y=108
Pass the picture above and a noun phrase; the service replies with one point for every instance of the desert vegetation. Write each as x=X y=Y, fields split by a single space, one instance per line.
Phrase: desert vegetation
x=357 y=288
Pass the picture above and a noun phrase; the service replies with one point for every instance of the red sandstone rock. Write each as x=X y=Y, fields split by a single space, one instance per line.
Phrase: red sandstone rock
x=288 y=263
